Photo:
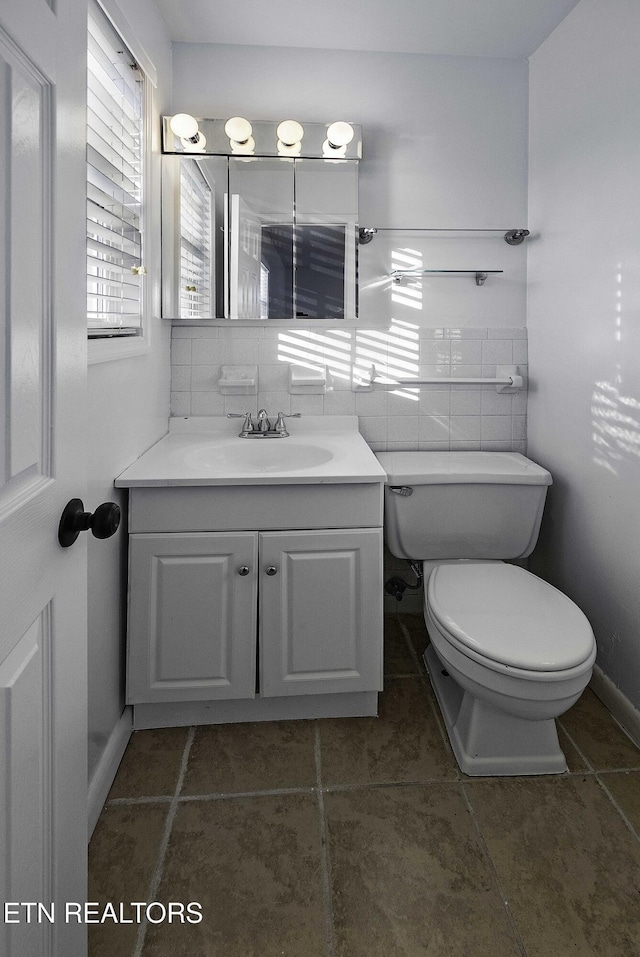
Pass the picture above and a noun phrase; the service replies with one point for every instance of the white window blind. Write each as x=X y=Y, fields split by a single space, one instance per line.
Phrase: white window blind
x=195 y=242
x=115 y=174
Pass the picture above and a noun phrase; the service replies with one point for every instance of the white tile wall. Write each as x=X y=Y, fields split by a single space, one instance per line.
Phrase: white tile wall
x=433 y=417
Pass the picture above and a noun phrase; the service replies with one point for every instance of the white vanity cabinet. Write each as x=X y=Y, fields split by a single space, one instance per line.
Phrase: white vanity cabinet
x=230 y=623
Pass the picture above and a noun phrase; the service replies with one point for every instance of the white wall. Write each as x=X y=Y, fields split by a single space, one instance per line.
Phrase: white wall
x=128 y=407
x=584 y=319
x=444 y=137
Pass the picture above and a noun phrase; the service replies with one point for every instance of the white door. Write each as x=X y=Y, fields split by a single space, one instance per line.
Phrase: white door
x=43 y=741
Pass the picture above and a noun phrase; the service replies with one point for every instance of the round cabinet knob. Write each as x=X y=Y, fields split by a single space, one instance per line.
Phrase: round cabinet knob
x=243 y=570
x=271 y=570
x=103 y=522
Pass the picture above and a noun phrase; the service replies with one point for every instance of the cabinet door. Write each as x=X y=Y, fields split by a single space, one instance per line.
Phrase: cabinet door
x=192 y=617
x=320 y=612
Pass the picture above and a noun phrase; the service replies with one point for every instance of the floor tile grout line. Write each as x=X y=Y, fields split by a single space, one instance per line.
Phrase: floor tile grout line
x=574 y=744
x=408 y=674
x=601 y=784
x=232 y=795
x=326 y=859
x=381 y=785
x=494 y=872
x=147 y=799
x=631 y=770
x=622 y=814
x=435 y=710
x=164 y=843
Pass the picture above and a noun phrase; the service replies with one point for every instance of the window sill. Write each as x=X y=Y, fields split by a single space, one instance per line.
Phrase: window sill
x=112 y=349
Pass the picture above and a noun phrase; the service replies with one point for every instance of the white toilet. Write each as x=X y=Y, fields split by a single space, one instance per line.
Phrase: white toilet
x=509 y=652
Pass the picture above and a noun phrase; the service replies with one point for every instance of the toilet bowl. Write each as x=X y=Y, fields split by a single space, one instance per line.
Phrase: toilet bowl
x=509 y=653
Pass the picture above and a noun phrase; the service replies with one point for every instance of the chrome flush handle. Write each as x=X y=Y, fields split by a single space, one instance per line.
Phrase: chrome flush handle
x=404 y=490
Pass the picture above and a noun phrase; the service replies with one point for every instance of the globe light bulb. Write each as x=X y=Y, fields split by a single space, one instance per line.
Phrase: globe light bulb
x=290 y=132
x=183 y=125
x=238 y=129
x=340 y=134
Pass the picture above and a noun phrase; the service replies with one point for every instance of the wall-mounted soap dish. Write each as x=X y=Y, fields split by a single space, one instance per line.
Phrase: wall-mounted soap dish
x=309 y=380
x=239 y=380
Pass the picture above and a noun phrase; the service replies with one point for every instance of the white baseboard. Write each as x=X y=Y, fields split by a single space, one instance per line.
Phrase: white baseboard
x=625 y=713
x=102 y=779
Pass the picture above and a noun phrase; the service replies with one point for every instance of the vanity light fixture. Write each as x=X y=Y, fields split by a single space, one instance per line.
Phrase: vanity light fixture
x=244 y=138
x=289 y=134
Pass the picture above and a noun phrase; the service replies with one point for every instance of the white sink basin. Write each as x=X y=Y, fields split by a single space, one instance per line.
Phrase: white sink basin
x=208 y=451
x=259 y=455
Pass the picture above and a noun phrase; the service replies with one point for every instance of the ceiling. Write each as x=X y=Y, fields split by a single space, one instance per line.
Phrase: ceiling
x=500 y=28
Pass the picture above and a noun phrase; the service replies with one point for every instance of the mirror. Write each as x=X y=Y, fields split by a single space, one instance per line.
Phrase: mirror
x=259 y=237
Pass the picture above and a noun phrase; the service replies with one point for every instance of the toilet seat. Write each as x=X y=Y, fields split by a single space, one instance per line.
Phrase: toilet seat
x=510 y=621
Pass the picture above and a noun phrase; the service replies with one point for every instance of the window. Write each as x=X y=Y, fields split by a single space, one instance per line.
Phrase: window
x=195 y=242
x=115 y=183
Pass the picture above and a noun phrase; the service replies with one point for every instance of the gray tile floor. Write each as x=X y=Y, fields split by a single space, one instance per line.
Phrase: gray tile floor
x=361 y=838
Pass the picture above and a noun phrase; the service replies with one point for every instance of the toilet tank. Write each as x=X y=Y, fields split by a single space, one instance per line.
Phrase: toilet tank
x=449 y=505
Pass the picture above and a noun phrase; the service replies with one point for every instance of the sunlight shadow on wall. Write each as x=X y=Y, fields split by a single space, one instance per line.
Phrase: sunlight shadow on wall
x=616 y=426
x=616 y=417
x=394 y=351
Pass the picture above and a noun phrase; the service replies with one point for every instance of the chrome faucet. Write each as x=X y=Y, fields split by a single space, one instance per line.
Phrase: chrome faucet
x=263 y=421
x=263 y=430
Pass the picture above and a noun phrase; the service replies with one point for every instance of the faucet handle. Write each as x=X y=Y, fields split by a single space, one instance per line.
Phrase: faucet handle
x=280 y=424
x=247 y=425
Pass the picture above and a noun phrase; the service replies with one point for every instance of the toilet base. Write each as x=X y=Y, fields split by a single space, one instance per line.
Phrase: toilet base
x=488 y=742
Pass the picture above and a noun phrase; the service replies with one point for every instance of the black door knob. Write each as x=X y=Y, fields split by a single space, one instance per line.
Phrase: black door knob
x=103 y=522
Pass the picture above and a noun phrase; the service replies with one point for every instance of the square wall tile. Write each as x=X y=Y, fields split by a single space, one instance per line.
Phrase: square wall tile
x=433 y=428
x=433 y=402
x=180 y=351
x=497 y=352
x=496 y=428
x=180 y=403
x=206 y=352
x=464 y=428
x=466 y=403
x=207 y=403
x=181 y=377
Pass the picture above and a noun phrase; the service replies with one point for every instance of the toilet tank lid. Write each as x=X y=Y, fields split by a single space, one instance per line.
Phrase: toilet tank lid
x=444 y=468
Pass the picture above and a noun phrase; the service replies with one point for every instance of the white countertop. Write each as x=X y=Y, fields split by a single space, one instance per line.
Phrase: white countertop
x=320 y=450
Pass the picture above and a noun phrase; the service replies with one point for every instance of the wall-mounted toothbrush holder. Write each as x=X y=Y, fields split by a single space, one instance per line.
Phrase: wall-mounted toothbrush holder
x=305 y=380
x=368 y=379
x=239 y=380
